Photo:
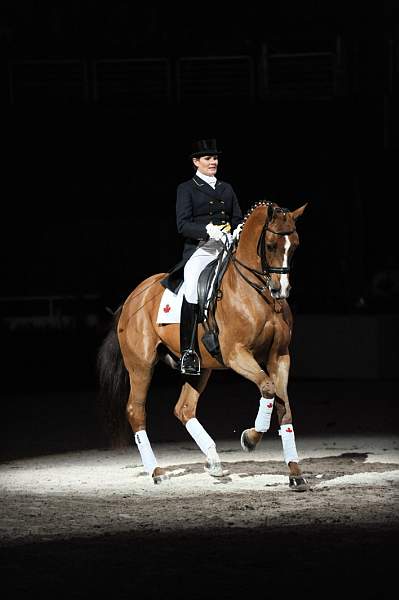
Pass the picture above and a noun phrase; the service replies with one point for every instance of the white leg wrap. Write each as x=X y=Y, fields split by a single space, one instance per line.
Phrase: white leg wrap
x=262 y=421
x=288 y=440
x=212 y=455
x=200 y=436
x=146 y=453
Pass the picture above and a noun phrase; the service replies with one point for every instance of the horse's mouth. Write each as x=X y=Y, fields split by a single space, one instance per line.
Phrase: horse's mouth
x=277 y=296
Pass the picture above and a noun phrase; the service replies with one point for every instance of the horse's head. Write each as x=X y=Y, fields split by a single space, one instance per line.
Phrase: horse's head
x=277 y=242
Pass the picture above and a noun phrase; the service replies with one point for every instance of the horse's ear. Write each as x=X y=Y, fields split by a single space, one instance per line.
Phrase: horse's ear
x=298 y=212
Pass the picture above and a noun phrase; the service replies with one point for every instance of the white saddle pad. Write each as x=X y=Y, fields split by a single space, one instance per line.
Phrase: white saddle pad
x=170 y=307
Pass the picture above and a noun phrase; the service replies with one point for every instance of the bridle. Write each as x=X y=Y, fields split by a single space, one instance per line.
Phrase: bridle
x=261 y=247
x=264 y=276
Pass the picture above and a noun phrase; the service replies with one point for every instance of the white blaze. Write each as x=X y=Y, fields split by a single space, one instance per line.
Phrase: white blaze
x=284 y=278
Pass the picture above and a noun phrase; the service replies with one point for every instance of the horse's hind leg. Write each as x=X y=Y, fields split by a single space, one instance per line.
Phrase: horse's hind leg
x=281 y=367
x=140 y=379
x=185 y=411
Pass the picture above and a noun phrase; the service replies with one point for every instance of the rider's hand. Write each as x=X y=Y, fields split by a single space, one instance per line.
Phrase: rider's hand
x=237 y=231
x=227 y=237
x=226 y=227
x=214 y=232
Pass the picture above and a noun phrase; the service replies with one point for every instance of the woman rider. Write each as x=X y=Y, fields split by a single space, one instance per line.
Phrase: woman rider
x=207 y=210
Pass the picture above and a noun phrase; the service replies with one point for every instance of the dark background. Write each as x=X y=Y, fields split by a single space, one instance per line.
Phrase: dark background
x=101 y=103
x=100 y=106
x=96 y=141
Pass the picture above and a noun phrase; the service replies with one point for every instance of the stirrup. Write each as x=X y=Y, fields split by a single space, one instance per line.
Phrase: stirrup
x=190 y=363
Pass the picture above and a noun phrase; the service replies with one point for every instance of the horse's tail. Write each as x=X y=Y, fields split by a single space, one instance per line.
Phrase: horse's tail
x=114 y=387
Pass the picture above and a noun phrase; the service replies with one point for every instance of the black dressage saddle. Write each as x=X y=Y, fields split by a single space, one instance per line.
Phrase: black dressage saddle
x=209 y=283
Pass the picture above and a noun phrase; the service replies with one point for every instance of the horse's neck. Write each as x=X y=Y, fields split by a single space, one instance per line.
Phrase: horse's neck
x=246 y=274
x=247 y=247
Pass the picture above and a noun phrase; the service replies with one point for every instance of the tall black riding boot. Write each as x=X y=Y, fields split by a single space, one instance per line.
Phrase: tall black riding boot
x=190 y=362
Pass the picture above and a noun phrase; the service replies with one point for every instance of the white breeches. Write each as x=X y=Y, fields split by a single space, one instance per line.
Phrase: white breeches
x=196 y=264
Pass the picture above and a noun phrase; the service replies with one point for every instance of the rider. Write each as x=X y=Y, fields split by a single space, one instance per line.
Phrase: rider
x=206 y=211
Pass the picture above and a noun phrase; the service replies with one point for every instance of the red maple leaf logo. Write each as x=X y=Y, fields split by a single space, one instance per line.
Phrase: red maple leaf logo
x=166 y=308
x=288 y=430
x=269 y=405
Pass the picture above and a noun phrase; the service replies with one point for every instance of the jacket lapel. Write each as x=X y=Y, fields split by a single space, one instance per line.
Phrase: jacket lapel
x=200 y=184
x=220 y=187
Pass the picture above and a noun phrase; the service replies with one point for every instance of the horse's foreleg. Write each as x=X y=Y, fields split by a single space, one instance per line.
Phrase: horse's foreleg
x=281 y=368
x=185 y=411
x=243 y=362
x=140 y=380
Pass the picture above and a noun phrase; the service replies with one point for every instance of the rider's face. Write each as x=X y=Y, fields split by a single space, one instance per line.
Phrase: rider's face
x=207 y=165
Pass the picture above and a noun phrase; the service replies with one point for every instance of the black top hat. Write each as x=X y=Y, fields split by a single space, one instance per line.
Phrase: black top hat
x=204 y=148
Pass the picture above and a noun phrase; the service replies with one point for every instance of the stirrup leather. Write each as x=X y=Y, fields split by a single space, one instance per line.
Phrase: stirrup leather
x=190 y=363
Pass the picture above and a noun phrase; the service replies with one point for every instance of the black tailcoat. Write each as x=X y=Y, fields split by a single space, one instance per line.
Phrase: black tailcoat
x=197 y=205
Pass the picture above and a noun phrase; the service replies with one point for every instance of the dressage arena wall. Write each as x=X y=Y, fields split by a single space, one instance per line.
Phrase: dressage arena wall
x=345 y=347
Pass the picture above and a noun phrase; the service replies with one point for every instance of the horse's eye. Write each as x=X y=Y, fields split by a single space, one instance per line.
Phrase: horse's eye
x=270 y=247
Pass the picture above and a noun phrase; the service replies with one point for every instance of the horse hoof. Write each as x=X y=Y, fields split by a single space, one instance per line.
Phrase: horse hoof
x=246 y=443
x=215 y=469
x=298 y=484
x=159 y=476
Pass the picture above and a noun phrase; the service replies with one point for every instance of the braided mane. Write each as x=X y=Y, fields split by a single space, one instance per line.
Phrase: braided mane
x=251 y=210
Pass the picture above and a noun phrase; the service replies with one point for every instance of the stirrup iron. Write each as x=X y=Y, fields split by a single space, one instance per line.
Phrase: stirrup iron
x=190 y=363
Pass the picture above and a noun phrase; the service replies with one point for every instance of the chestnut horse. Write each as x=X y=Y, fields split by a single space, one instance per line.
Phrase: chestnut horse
x=254 y=322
